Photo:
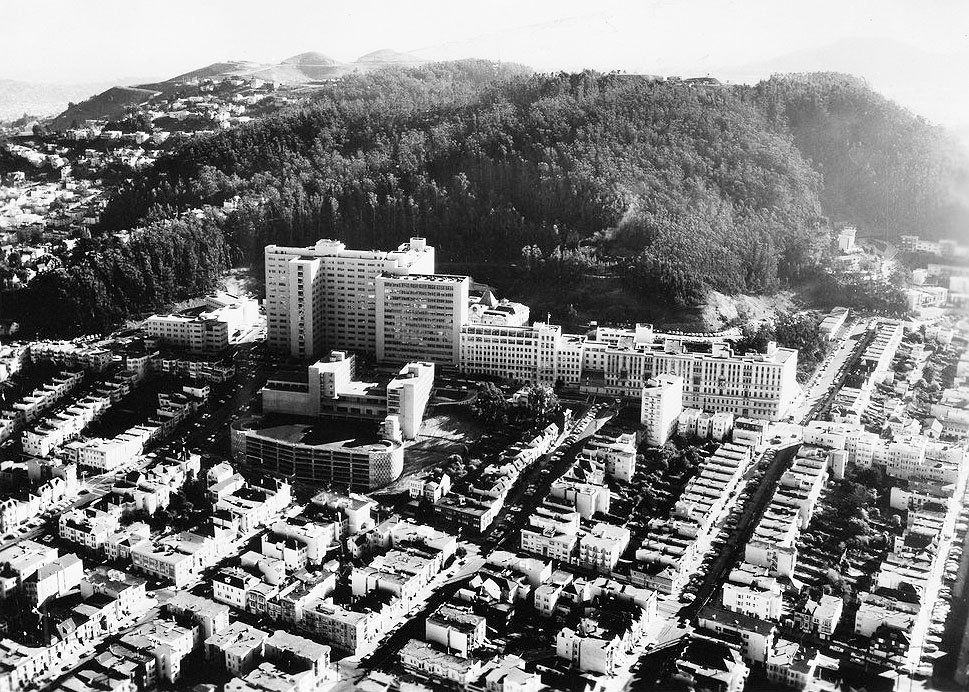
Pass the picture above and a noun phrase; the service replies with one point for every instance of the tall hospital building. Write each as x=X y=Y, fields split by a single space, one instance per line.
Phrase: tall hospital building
x=391 y=305
x=324 y=297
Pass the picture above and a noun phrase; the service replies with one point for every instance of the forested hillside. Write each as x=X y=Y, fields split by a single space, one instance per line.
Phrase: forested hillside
x=885 y=170
x=108 y=280
x=672 y=188
x=689 y=182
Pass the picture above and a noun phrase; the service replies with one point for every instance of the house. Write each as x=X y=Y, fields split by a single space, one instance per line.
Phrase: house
x=712 y=665
x=456 y=628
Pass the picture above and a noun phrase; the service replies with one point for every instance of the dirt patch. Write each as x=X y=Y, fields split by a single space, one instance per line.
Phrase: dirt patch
x=719 y=310
x=239 y=281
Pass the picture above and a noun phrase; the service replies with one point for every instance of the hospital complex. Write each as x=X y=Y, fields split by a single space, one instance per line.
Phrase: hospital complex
x=393 y=306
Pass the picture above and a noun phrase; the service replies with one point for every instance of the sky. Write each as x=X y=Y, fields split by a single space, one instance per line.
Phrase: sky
x=915 y=52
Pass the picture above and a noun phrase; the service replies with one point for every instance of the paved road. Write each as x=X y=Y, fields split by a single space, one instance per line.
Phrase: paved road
x=508 y=524
x=823 y=386
x=733 y=551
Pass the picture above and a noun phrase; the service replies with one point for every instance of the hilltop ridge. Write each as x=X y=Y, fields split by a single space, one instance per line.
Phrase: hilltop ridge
x=301 y=69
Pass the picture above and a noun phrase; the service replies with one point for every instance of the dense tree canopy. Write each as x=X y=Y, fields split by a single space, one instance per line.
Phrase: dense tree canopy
x=106 y=280
x=885 y=169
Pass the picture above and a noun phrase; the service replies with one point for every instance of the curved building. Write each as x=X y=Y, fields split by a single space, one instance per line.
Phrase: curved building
x=306 y=452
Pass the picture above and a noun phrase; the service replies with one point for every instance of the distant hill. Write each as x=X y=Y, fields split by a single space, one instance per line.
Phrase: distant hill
x=297 y=69
x=109 y=104
x=311 y=59
x=17 y=98
x=388 y=57
x=304 y=68
x=216 y=70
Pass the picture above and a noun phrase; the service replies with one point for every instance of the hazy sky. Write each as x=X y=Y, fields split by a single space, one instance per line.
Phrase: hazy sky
x=915 y=51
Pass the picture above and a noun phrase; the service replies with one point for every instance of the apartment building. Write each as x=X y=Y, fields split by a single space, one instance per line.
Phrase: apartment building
x=402 y=574
x=759 y=597
x=237 y=649
x=325 y=296
x=89 y=356
x=402 y=533
x=711 y=664
x=167 y=642
x=457 y=671
x=179 y=558
x=63 y=426
x=20 y=561
x=616 y=452
x=253 y=506
x=419 y=317
x=662 y=403
x=54 y=579
x=456 y=628
x=608 y=628
x=315 y=537
x=90 y=526
x=31 y=406
x=108 y=454
x=795 y=666
x=355 y=629
x=194 y=333
x=755 y=636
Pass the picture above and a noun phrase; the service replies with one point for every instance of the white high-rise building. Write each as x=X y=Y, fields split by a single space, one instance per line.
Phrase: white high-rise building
x=662 y=403
x=419 y=317
x=846 y=239
x=325 y=296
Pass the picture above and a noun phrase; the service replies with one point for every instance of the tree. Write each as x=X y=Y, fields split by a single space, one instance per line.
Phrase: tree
x=490 y=404
x=539 y=406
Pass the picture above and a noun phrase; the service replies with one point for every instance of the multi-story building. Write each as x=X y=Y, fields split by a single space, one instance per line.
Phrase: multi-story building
x=537 y=353
x=621 y=362
x=301 y=451
x=759 y=597
x=617 y=453
x=254 y=506
x=54 y=579
x=355 y=630
x=168 y=642
x=195 y=333
x=401 y=574
x=662 y=402
x=330 y=390
x=237 y=649
x=20 y=561
x=325 y=296
x=419 y=317
x=609 y=627
x=711 y=664
x=456 y=671
x=456 y=628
